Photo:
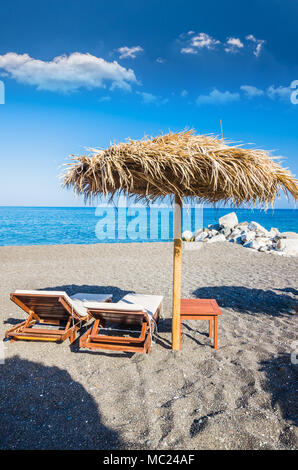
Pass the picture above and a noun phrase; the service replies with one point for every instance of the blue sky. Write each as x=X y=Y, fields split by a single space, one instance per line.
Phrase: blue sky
x=81 y=74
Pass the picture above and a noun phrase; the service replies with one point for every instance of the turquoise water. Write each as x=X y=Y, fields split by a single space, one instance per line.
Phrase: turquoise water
x=84 y=225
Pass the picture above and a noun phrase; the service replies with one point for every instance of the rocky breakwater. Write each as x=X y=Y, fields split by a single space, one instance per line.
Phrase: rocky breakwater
x=248 y=234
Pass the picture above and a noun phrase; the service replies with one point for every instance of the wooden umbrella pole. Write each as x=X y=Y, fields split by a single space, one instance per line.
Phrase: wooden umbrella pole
x=177 y=261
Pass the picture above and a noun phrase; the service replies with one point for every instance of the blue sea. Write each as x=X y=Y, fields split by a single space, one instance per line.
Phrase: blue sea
x=85 y=225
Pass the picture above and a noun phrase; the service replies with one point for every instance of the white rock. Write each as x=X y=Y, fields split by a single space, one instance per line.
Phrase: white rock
x=253 y=244
x=197 y=232
x=226 y=231
x=214 y=227
x=275 y=240
x=241 y=225
x=236 y=240
x=213 y=232
x=264 y=241
x=289 y=235
x=273 y=232
x=235 y=233
x=260 y=234
x=288 y=245
x=248 y=236
x=187 y=236
x=229 y=220
x=263 y=248
x=201 y=237
x=256 y=226
x=218 y=238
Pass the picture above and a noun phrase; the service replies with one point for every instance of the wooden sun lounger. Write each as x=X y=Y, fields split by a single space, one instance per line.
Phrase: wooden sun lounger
x=52 y=315
x=131 y=312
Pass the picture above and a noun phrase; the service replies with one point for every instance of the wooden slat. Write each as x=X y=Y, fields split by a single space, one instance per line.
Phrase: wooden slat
x=124 y=317
x=199 y=307
x=117 y=347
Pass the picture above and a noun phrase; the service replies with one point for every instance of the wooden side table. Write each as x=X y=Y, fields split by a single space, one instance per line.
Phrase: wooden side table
x=201 y=309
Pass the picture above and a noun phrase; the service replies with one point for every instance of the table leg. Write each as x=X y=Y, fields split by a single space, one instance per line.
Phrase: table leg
x=215 y=333
x=210 y=328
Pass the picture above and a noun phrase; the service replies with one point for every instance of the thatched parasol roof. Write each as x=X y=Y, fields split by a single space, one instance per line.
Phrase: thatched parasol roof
x=183 y=164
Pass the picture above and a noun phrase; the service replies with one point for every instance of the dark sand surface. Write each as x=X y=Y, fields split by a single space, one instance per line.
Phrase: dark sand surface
x=242 y=396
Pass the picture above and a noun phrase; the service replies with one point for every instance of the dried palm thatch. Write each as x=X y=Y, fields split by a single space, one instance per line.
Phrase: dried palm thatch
x=181 y=164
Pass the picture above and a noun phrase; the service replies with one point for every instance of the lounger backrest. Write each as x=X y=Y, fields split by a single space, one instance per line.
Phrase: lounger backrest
x=45 y=305
x=150 y=303
x=131 y=309
x=117 y=313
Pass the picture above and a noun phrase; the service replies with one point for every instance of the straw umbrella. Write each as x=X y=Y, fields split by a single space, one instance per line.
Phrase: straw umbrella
x=181 y=164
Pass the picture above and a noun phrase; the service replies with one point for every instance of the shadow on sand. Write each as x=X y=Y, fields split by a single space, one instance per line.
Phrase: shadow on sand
x=41 y=407
x=281 y=381
x=250 y=300
x=72 y=289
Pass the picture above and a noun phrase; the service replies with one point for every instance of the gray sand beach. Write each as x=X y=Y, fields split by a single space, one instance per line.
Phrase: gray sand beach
x=242 y=396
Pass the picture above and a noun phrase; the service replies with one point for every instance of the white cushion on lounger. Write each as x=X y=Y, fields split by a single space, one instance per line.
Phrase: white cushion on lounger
x=150 y=303
x=114 y=306
x=80 y=299
x=38 y=292
x=131 y=303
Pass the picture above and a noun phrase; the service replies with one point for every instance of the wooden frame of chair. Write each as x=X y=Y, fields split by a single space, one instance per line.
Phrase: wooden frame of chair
x=48 y=310
x=93 y=339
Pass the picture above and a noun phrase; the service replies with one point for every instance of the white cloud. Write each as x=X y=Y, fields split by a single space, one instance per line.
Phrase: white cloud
x=193 y=42
x=67 y=73
x=184 y=93
x=129 y=52
x=258 y=44
x=251 y=91
x=283 y=93
x=203 y=40
x=197 y=42
x=148 y=98
x=104 y=99
x=160 y=60
x=188 y=50
x=218 y=97
x=233 y=45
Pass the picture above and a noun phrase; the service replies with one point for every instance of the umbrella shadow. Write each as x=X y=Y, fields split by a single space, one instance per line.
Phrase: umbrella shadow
x=195 y=330
x=165 y=326
x=72 y=289
x=249 y=300
x=281 y=379
x=290 y=290
x=42 y=407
